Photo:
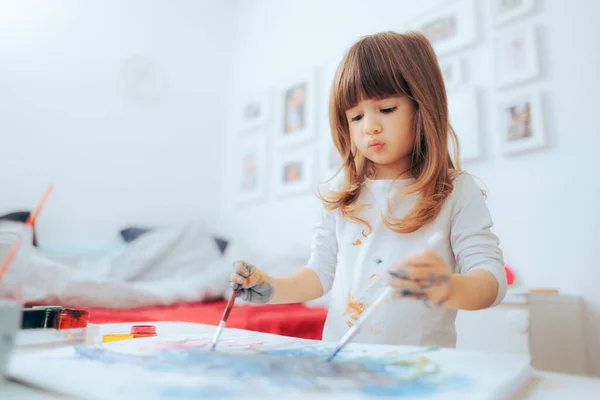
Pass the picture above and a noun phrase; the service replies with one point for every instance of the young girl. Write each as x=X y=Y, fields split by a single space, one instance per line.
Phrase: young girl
x=399 y=187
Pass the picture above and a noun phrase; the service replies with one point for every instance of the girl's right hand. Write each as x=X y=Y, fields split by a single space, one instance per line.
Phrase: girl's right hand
x=256 y=285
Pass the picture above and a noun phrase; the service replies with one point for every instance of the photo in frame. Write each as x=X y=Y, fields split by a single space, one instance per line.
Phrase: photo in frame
x=255 y=110
x=296 y=102
x=452 y=71
x=516 y=57
x=464 y=117
x=251 y=169
x=451 y=27
x=521 y=123
x=294 y=171
x=504 y=11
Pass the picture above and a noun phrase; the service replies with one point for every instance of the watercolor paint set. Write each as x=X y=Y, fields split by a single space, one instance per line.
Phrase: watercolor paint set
x=136 y=331
x=52 y=325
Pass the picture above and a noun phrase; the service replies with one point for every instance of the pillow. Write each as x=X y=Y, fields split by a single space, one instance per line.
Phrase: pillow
x=19 y=216
x=132 y=233
x=222 y=243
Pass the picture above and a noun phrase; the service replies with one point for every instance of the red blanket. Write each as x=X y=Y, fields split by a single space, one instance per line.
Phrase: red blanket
x=296 y=320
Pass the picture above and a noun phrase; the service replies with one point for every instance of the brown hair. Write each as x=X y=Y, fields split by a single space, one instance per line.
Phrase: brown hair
x=383 y=65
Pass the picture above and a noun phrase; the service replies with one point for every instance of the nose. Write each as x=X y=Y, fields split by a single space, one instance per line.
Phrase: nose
x=372 y=126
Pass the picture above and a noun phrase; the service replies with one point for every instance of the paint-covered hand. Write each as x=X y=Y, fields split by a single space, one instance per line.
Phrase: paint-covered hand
x=256 y=285
x=423 y=276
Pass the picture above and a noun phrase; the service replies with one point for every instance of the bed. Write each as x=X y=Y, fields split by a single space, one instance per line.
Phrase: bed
x=295 y=320
x=179 y=273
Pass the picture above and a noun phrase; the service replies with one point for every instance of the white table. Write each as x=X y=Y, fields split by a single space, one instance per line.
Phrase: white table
x=544 y=386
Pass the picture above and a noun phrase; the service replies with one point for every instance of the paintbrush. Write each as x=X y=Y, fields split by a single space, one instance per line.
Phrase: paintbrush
x=236 y=289
x=432 y=243
x=28 y=224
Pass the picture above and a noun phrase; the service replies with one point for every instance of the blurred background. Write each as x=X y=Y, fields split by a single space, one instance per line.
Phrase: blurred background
x=154 y=113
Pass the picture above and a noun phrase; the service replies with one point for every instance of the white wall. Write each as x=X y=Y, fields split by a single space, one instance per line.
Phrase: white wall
x=66 y=118
x=544 y=203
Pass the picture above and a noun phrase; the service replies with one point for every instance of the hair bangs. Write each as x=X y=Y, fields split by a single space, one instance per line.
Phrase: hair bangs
x=367 y=73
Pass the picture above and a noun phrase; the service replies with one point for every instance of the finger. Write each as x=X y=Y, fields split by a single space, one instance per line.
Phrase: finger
x=255 y=297
x=237 y=278
x=411 y=294
x=441 y=295
x=410 y=284
x=424 y=258
x=243 y=268
x=242 y=294
x=416 y=274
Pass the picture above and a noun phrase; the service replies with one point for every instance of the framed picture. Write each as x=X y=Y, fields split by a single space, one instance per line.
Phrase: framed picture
x=296 y=101
x=295 y=172
x=330 y=160
x=452 y=71
x=521 y=123
x=464 y=117
x=450 y=27
x=254 y=111
x=504 y=11
x=251 y=169
x=516 y=57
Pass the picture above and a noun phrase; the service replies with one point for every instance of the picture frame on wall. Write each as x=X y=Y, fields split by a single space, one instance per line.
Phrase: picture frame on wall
x=505 y=11
x=450 y=27
x=296 y=102
x=521 y=123
x=516 y=58
x=251 y=169
x=452 y=71
x=464 y=117
x=295 y=172
x=254 y=110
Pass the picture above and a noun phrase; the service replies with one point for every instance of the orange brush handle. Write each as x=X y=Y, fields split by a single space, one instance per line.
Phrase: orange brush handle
x=30 y=221
x=230 y=304
x=34 y=214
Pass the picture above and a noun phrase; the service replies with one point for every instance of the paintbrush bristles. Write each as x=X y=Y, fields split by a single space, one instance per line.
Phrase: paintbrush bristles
x=226 y=313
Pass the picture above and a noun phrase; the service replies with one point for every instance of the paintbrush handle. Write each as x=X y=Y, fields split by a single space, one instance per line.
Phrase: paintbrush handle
x=30 y=222
x=228 y=308
x=230 y=304
x=432 y=244
x=366 y=315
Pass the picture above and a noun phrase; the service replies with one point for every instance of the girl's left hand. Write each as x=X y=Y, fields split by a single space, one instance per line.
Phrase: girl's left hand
x=423 y=276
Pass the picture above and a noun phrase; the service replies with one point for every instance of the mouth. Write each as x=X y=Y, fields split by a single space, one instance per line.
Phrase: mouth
x=376 y=145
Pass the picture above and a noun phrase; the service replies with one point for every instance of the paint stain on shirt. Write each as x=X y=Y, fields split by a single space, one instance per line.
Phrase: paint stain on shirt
x=375 y=331
x=364 y=233
x=354 y=309
x=357 y=242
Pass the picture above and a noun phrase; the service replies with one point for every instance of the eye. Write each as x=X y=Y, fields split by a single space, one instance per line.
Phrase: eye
x=357 y=118
x=388 y=110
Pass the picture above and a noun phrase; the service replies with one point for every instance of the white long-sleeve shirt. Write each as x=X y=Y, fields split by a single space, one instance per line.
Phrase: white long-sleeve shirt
x=354 y=266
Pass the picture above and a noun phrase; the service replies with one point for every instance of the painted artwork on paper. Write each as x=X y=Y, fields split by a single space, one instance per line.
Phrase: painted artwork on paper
x=256 y=367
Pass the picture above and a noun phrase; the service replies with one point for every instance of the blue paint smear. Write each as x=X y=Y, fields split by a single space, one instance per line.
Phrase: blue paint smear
x=284 y=369
x=176 y=392
x=419 y=387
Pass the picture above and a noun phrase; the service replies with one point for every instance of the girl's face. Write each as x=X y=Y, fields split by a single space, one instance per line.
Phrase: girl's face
x=382 y=131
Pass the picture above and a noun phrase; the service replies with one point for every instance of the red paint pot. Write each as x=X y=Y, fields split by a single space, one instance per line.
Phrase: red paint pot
x=140 y=331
